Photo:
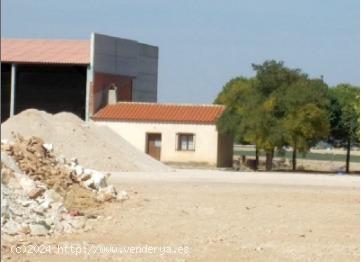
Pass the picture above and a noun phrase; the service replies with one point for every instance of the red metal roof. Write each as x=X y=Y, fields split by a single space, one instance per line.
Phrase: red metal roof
x=45 y=51
x=149 y=112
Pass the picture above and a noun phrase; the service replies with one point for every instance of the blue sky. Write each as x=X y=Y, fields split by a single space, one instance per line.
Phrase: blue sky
x=203 y=44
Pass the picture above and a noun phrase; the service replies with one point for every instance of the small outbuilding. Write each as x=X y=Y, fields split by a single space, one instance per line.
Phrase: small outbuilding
x=175 y=133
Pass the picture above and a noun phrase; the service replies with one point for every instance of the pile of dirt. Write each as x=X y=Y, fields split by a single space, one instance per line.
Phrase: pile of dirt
x=38 y=163
x=42 y=194
x=94 y=146
x=79 y=198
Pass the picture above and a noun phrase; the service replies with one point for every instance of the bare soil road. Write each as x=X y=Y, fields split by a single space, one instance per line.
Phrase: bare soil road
x=202 y=215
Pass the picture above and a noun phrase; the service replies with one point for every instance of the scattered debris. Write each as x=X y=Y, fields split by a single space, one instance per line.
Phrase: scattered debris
x=42 y=194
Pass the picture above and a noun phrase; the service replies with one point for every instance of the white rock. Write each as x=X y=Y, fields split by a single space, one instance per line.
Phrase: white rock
x=77 y=222
x=26 y=203
x=51 y=194
x=14 y=184
x=24 y=229
x=61 y=159
x=107 y=193
x=11 y=227
x=10 y=162
x=88 y=228
x=25 y=182
x=46 y=203
x=99 y=179
x=38 y=230
x=123 y=195
x=89 y=183
x=88 y=171
x=96 y=181
x=79 y=170
x=18 y=211
x=58 y=227
x=48 y=147
x=72 y=165
x=67 y=227
x=109 y=189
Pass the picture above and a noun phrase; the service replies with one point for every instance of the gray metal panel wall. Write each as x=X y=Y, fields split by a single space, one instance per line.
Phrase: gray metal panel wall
x=117 y=56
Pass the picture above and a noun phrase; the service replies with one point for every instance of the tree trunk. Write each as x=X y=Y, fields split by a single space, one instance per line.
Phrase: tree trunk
x=257 y=158
x=269 y=160
x=294 y=159
x=348 y=155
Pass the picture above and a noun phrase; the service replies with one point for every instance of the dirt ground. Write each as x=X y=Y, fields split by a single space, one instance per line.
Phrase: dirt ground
x=214 y=215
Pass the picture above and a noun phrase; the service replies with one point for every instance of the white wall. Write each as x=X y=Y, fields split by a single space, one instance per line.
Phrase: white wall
x=206 y=138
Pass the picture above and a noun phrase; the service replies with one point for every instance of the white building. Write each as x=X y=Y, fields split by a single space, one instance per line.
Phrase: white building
x=171 y=132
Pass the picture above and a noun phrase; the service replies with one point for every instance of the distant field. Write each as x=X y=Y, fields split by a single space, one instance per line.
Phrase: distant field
x=309 y=155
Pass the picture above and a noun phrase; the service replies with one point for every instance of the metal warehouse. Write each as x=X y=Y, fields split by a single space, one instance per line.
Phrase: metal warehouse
x=75 y=75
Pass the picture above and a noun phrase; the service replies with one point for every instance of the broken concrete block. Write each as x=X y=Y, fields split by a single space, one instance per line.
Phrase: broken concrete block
x=122 y=196
x=61 y=160
x=34 y=193
x=39 y=229
x=10 y=162
x=48 y=147
x=88 y=171
x=6 y=175
x=25 y=182
x=77 y=222
x=46 y=203
x=107 y=193
x=51 y=194
x=11 y=228
x=79 y=170
x=99 y=179
x=89 y=184
x=26 y=199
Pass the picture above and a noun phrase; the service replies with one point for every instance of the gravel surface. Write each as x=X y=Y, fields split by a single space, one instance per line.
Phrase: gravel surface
x=225 y=216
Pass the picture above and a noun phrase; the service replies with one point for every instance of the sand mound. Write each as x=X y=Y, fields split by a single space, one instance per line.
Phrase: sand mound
x=94 y=146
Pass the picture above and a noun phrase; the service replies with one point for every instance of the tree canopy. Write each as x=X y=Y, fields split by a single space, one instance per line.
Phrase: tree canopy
x=344 y=117
x=284 y=107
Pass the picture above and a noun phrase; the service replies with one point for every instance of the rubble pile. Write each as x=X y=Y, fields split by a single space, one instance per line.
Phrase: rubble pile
x=43 y=194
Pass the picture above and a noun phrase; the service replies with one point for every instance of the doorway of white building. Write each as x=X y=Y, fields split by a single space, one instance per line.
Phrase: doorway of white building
x=154 y=145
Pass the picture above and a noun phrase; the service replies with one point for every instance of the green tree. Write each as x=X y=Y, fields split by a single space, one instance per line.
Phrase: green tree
x=278 y=107
x=262 y=128
x=304 y=105
x=305 y=126
x=240 y=97
x=236 y=96
x=272 y=77
x=344 y=117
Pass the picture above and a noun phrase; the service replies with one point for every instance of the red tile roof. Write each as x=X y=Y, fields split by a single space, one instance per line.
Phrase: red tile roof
x=45 y=51
x=153 y=112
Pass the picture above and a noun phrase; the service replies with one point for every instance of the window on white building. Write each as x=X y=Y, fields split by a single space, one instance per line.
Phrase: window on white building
x=185 y=142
